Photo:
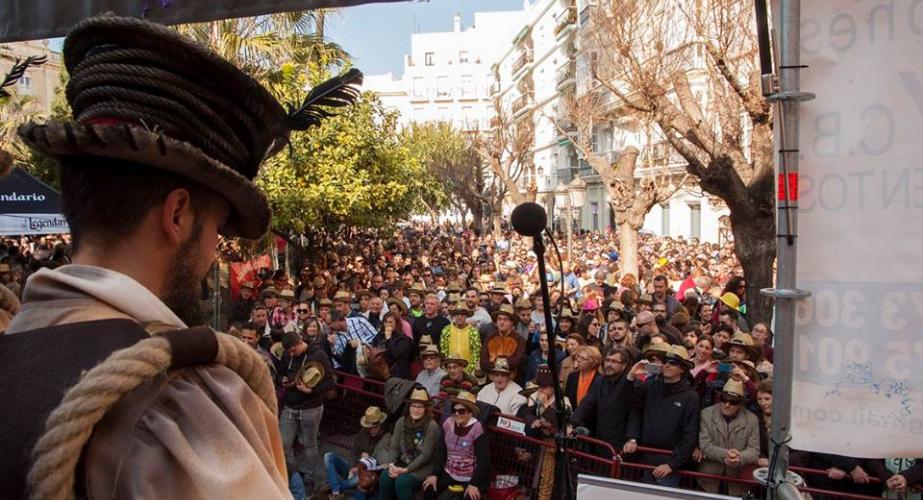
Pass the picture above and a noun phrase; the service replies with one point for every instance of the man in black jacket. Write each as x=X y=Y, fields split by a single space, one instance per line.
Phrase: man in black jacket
x=306 y=375
x=670 y=409
x=609 y=402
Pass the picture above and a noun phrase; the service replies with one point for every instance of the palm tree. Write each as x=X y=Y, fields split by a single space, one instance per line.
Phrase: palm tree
x=261 y=45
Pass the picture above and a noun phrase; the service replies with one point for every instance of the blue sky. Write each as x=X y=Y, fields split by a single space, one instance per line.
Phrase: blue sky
x=378 y=35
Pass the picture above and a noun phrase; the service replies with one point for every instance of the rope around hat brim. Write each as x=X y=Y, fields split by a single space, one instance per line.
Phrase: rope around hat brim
x=70 y=425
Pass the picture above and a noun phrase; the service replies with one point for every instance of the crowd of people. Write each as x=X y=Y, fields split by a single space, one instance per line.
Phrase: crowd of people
x=666 y=360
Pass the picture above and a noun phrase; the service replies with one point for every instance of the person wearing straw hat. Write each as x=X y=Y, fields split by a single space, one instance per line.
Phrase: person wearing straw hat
x=540 y=416
x=462 y=457
x=415 y=294
x=371 y=440
x=504 y=342
x=502 y=392
x=306 y=373
x=456 y=378
x=432 y=373
x=240 y=308
x=670 y=412
x=411 y=449
x=461 y=339
x=157 y=160
x=729 y=439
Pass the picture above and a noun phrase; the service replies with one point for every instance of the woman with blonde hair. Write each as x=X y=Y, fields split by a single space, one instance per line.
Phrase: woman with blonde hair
x=579 y=383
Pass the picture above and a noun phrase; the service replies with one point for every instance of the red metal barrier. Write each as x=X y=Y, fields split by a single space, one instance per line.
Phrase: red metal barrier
x=519 y=459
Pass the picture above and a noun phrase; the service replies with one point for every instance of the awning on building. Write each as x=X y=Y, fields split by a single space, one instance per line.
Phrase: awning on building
x=35 y=19
x=29 y=206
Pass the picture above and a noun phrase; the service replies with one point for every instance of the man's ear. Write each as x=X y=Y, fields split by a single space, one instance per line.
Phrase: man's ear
x=177 y=217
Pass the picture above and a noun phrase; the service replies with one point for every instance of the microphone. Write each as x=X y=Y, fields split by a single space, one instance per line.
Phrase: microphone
x=529 y=219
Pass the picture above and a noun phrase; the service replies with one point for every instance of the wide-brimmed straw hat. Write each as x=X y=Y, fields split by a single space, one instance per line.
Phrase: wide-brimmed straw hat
x=743 y=341
x=419 y=395
x=455 y=358
x=373 y=416
x=460 y=307
x=506 y=310
x=501 y=365
x=145 y=94
x=467 y=400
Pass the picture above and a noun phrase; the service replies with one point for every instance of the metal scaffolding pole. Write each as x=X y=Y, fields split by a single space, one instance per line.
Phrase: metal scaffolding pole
x=786 y=16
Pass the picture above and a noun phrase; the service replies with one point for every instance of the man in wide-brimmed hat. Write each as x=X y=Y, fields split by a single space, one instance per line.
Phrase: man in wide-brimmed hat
x=240 y=308
x=502 y=392
x=158 y=160
x=432 y=373
x=415 y=295
x=461 y=338
x=456 y=378
x=729 y=438
x=504 y=342
x=670 y=412
x=371 y=440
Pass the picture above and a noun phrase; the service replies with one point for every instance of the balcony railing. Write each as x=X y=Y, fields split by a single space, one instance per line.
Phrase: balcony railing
x=524 y=58
x=566 y=75
x=566 y=20
x=520 y=103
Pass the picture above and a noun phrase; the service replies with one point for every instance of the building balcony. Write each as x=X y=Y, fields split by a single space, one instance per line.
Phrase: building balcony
x=521 y=103
x=525 y=58
x=566 y=76
x=494 y=89
x=525 y=85
x=565 y=22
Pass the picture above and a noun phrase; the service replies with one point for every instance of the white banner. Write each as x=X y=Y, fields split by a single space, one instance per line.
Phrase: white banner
x=19 y=224
x=858 y=381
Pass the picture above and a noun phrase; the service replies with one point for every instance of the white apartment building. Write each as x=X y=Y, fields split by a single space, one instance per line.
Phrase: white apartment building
x=38 y=82
x=447 y=75
x=531 y=74
x=529 y=59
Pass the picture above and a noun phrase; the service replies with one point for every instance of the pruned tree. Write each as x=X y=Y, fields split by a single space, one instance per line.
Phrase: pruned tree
x=631 y=195
x=506 y=151
x=692 y=68
x=452 y=164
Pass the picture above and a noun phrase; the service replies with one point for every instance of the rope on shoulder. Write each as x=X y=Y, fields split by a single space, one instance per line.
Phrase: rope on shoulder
x=70 y=425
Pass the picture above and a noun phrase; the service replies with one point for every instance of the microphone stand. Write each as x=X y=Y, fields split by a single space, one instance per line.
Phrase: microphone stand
x=562 y=481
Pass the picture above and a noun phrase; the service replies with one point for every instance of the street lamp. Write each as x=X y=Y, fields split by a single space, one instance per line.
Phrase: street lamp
x=572 y=197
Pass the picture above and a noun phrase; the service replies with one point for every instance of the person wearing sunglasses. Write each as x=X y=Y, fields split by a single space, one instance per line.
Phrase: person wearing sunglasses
x=300 y=321
x=670 y=409
x=729 y=439
x=462 y=460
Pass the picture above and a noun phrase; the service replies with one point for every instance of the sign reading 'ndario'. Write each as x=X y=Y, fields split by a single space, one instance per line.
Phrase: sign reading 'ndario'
x=858 y=382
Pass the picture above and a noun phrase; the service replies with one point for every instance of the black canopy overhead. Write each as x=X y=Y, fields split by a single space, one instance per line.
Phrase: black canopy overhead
x=29 y=206
x=34 y=19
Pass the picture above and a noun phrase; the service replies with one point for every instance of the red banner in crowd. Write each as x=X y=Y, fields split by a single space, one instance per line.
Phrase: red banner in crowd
x=246 y=271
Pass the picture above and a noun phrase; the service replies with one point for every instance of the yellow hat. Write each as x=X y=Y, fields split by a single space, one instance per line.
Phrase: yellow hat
x=731 y=300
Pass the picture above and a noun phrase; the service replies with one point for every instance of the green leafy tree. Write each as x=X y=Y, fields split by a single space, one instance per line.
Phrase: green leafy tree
x=450 y=160
x=351 y=170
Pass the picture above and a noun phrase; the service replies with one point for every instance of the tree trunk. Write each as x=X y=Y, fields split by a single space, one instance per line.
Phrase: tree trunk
x=477 y=216
x=628 y=249
x=755 y=247
x=495 y=219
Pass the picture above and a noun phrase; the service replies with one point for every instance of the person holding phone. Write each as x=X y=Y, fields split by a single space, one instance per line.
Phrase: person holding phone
x=670 y=409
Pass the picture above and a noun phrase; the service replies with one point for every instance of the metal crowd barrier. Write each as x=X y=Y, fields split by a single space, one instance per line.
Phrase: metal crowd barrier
x=517 y=460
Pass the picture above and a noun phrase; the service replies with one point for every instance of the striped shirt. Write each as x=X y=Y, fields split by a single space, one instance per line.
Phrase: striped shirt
x=356 y=328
